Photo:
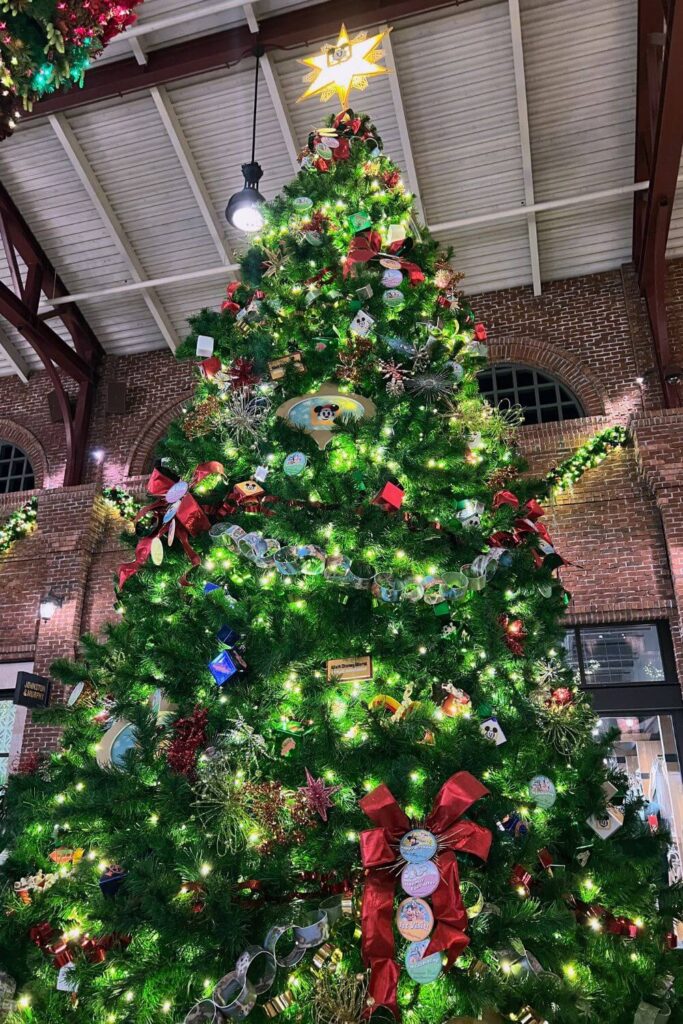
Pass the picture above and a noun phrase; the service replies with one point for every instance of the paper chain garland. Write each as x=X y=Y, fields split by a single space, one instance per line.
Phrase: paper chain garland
x=235 y=995
x=311 y=560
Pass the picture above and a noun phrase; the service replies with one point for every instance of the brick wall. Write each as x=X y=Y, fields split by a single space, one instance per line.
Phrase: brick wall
x=622 y=524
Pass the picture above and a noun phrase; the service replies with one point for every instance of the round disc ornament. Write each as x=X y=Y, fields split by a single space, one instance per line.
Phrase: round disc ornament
x=422 y=969
x=177 y=491
x=393 y=297
x=420 y=879
x=303 y=203
x=542 y=791
x=414 y=919
x=417 y=846
x=157 y=551
x=392 y=278
x=390 y=264
x=295 y=463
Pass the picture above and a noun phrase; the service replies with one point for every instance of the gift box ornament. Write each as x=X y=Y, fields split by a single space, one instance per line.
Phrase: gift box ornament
x=360 y=221
x=513 y=825
x=606 y=823
x=248 y=489
x=362 y=323
x=204 y=346
x=225 y=666
x=227 y=635
x=491 y=730
x=390 y=497
x=469 y=513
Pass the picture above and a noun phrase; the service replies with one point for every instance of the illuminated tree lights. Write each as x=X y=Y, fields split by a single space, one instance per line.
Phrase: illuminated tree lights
x=46 y=45
x=21 y=522
x=329 y=759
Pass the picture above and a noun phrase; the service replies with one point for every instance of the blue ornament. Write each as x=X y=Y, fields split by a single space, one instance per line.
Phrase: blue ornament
x=209 y=586
x=112 y=880
x=227 y=635
x=222 y=668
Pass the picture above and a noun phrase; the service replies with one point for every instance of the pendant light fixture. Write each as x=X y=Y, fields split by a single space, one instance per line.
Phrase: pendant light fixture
x=244 y=211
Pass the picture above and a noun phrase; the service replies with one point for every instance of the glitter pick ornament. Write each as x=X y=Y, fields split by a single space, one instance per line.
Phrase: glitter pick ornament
x=317 y=794
x=343 y=66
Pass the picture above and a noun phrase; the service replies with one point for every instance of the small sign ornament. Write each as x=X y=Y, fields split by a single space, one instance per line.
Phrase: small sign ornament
x=319 y=413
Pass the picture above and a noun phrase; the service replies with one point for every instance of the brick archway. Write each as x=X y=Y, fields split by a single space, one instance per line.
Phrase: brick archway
x=544 y=356
x=147 y=442
x=29 y=443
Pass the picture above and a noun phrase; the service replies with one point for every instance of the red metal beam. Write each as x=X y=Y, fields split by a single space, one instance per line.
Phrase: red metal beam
x=20 y=308
x=659 y=143
x=221 y=49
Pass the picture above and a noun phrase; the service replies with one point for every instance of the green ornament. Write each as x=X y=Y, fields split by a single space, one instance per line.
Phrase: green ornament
x=360 y=221
x=441 y=608
x=484 y=711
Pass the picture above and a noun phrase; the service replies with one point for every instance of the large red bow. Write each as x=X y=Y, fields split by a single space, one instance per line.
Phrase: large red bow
x=367 y=246
x=527 y=523
x=190 y=519
x=379 y=854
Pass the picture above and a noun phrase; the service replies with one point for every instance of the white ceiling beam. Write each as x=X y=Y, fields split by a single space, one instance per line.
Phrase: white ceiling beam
x=14 y=357
x=190 y=169
x=78 y=161
x=482 y=218
x=251 y=17
x=143 y=28
x=551 y=204
x=404 y=134
x=277 y=97
x=136 y=286
x=138 y=52
x=525 y=139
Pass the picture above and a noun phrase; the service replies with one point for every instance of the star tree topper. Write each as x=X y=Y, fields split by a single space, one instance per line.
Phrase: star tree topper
x=343 y=66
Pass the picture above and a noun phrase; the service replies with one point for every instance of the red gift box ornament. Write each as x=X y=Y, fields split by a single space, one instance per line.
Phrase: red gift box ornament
x=390 y=497
x=178 y=514
x=449 y=833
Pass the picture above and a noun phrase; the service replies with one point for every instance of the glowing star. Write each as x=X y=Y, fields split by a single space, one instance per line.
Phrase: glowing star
x=318 y=795
x=343 y=66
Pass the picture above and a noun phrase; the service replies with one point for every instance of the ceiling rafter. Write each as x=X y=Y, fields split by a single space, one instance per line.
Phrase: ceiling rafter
x=219 y=50
x=525 y=139
x=175 y=133
x=96 y=193
x=404 y=134
x=15 y=358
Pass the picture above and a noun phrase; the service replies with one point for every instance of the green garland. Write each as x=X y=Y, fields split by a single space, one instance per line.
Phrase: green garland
x=120 y=501
x=21 y=522
x=586 y=457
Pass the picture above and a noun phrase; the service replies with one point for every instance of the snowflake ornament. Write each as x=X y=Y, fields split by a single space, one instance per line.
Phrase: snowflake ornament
x=317 y=794
x=395 y=376
x=244 y=415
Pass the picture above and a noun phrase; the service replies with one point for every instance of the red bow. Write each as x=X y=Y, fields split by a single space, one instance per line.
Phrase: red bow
x=367 y=246
x=47 y=939
x=526 y=523
x=190 y=519
x=378 y=852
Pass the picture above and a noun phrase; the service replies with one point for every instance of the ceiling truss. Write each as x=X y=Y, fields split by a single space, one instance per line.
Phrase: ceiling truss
x=33 y=277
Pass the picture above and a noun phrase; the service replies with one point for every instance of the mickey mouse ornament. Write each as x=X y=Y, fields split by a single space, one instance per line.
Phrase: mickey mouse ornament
x=319 y=413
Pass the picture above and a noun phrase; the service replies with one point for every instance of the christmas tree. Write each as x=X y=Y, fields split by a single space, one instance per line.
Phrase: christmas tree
x=330 y=762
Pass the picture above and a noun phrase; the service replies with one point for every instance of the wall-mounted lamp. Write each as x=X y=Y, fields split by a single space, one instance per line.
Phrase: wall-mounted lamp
x=49 y=605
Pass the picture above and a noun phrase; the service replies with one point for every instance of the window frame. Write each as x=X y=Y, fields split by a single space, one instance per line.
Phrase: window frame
x=8 y=679
x=27 y=472
x=538 y=406
x=665 y=648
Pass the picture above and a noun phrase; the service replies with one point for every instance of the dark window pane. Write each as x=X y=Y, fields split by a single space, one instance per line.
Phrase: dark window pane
x=570 y=412
x=485 y=382
x=530 y=416
x=547 y=394
x=16 y=473
x=550 y=414
x=621 y=654
x=504 y=379
x=525 y=378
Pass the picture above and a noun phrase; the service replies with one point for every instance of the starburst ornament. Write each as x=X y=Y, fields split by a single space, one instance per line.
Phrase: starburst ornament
x=343 y=66
x=317 y=795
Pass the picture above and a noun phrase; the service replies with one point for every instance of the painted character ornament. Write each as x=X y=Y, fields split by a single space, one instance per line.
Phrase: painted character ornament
x=432 y=917
x=318 y=414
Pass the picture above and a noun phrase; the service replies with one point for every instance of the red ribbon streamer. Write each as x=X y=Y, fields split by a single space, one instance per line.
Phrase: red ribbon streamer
x=367 y=246
x=190 y=519
x=378 y=853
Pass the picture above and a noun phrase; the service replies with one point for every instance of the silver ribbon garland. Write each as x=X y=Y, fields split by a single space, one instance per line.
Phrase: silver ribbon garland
x=311 y=560
x=235 y=995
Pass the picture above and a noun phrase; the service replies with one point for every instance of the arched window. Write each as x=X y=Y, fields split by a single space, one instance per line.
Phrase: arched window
x=543 y=398
x=16 y=472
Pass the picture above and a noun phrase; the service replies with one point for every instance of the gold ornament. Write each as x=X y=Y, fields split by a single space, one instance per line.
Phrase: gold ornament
x=340 y=998
x=203 y=417
x=343 y=66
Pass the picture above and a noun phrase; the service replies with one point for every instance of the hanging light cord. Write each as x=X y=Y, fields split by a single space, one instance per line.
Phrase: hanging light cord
x=258 y=52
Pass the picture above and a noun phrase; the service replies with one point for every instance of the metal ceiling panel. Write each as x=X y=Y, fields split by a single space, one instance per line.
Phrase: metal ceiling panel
x=491 y=256
x=132 y=158
x=185 y=300
x=43 y=184
x=215 y=112
x=580 y=61
x=459 y=95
